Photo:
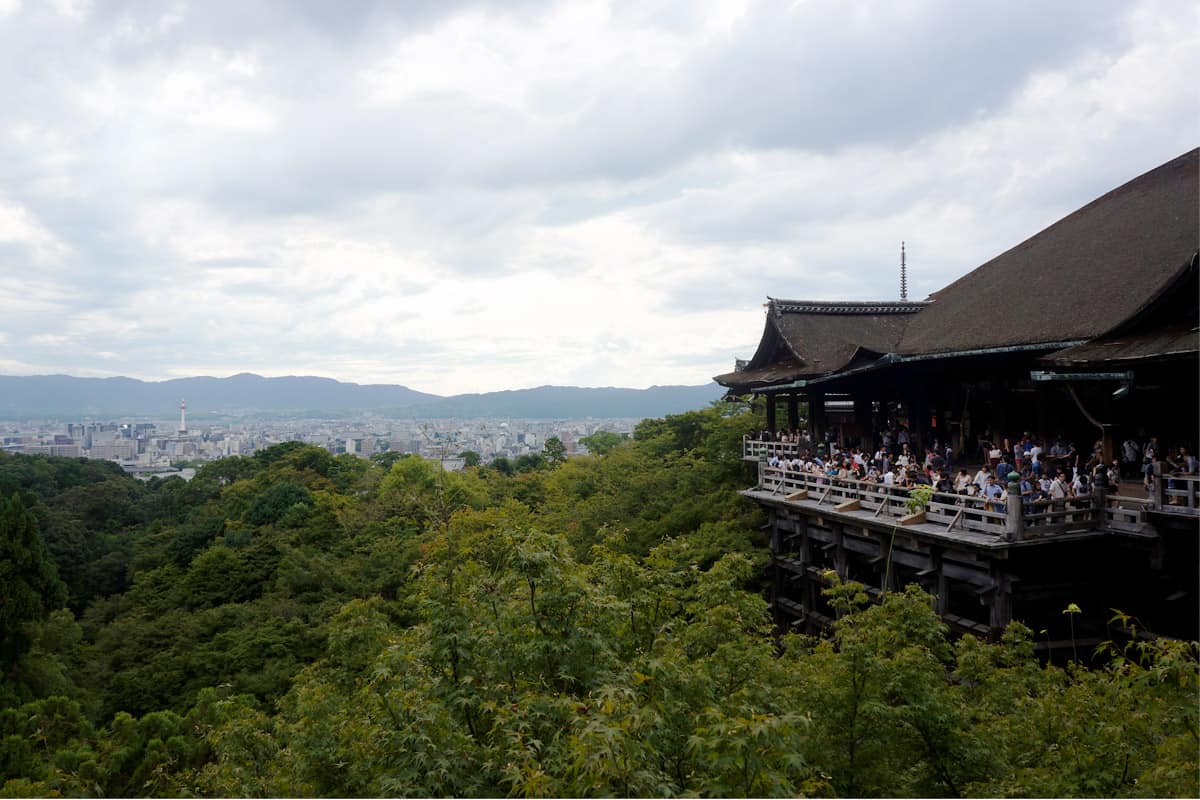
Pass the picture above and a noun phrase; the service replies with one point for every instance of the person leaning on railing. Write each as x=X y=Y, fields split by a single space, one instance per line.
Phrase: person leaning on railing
x=1026 y=484
x=1081 y=490
x=1184 y=463
x=993 y=494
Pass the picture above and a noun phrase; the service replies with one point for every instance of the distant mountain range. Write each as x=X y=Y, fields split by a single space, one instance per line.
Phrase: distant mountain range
x=65 y=396
x=571 y=402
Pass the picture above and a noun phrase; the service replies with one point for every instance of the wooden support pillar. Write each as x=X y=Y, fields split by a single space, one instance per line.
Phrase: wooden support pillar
x=839 y=552
x=770 y=412
x=863 y=424
x=1000 y=607
x=1100 y=489
x=941 y=591
x=1108 y=445
x=793 y=411
x=816 y=416
x=801 y=548
x=1043 y=402
x=809 y=590
x=777 y=582
x=918 y=424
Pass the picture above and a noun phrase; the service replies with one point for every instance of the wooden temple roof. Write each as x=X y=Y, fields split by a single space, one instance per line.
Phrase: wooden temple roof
x=1092 y=273
x=805 y=338
x=1166 y=330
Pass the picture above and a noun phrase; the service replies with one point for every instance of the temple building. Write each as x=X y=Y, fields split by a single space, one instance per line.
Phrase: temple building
x=1086 y=334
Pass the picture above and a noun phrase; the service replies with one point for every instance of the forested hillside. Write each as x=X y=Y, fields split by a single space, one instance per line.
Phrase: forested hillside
x=299 y=624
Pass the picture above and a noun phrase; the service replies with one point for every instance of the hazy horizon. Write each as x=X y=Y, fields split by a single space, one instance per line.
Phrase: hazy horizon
x=354 y=383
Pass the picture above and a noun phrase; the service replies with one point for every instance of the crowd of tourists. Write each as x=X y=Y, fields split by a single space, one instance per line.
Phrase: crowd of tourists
x=1044 y=474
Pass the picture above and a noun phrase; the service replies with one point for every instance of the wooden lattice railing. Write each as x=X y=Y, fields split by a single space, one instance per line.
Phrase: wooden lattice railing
x=1027 y=520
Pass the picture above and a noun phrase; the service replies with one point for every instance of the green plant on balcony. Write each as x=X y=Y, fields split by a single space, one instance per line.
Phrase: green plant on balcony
x=918 y=499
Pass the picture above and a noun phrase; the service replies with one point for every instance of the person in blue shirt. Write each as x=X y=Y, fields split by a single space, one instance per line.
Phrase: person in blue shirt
x=1003 y=468
x=993 y=493
x=1026 y=489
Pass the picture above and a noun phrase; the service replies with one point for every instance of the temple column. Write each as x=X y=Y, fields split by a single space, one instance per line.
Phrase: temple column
x=793 y=411
x=816 y=415
x=862 y=422
x=770 y=412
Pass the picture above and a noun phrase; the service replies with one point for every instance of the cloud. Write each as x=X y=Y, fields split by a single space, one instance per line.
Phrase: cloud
x=20 y=229
x=469 y=196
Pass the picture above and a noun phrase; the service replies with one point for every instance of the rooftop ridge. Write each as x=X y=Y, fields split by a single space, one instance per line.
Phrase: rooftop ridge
x=847 y=307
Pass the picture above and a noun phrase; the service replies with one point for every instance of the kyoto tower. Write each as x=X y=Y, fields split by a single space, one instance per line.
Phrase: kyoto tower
x=182 y=418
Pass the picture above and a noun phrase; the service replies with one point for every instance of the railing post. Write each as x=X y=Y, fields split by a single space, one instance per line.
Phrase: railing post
x=1159 y=486
x=1100 y=490
x=1014 y=527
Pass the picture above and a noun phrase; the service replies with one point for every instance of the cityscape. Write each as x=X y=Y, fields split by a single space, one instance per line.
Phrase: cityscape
x=176 y=446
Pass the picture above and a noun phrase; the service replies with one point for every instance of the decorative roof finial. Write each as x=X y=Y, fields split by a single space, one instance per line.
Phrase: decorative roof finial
x=903 y=276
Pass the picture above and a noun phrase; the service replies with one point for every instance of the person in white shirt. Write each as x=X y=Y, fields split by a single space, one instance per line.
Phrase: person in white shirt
x=1059 y=490
x=981 y=477
x=889 y=478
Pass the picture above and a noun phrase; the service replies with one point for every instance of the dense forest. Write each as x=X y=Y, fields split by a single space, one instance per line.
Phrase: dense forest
x=299 y=624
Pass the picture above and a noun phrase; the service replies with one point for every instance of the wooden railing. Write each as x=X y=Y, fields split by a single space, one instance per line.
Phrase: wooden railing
x=1125 y=513
x=889 y=502
x=1013 y=519
x=758 y=449
x=1178 y=493
x=1057 y=516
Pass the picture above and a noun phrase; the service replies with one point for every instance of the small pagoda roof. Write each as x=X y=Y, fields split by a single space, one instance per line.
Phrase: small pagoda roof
x=810 y=338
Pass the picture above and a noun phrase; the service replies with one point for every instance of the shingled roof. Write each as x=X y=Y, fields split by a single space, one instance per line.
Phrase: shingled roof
x=810 y=338
x=1165 y=330
x=1077 y=279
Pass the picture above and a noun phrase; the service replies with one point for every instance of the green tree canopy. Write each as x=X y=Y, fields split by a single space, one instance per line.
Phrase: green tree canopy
x=554 y=451
x=602 y=442
x=29 y=584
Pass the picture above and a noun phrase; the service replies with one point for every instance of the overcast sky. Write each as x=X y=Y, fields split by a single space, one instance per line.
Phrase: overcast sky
x=462 y=196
